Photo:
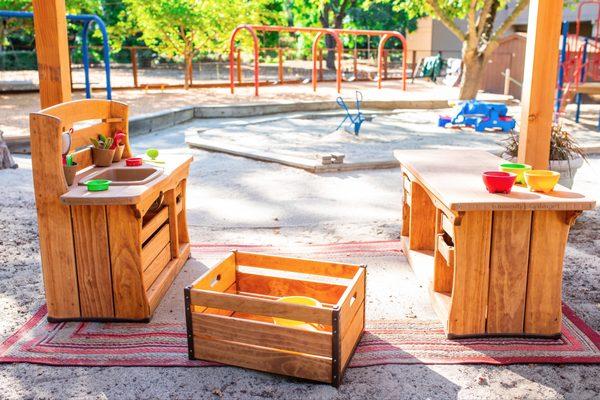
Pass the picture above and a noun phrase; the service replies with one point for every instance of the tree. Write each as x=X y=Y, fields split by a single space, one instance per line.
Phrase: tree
x=181 y=27
x=327 y=13
x=481 y=37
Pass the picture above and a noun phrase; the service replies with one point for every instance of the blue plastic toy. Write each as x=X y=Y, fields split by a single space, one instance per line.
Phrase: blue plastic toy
x=356 y=120
x=480 y=116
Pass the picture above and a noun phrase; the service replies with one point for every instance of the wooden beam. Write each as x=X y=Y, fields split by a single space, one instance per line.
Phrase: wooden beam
x=539 y=82
x=52 y=48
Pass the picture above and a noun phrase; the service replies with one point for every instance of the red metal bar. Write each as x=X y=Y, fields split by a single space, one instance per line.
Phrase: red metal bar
x=251 y=30
x=380 y=55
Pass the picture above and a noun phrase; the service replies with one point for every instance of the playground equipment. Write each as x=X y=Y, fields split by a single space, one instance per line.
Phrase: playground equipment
x=355 y=121
x=88 y=20
x=319 y=32
x=579 y=68
x=480 y=116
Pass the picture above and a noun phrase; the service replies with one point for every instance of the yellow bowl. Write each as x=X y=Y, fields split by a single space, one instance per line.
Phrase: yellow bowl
x=518 y=169
x=539 y=180
x=302 y=300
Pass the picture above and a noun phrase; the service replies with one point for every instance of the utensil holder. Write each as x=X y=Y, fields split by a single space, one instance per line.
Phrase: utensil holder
x=118 y=153
x=70 y=171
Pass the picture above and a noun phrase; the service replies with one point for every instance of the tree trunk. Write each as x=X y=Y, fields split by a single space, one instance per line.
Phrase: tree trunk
x=472 y=80
x=187 y=67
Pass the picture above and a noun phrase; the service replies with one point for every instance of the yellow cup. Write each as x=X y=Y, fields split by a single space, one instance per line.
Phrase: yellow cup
x=540 y=180
x=302 y=300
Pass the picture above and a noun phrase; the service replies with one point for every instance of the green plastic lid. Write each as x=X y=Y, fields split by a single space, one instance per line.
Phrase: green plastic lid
x=97 y=185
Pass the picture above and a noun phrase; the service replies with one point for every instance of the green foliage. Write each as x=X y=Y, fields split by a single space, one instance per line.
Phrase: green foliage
x=18 y=60
x=176 y=27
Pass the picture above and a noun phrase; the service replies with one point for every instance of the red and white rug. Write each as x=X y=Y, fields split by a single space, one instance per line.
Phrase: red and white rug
x=400 y=341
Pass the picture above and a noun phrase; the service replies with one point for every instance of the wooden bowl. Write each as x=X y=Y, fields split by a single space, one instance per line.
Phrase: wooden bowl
x=498 y=181
x=541 y=180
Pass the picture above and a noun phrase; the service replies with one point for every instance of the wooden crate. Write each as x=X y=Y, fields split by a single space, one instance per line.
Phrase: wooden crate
x=230 y=310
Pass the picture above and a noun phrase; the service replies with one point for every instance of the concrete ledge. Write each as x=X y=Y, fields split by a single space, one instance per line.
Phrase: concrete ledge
x=147 y=123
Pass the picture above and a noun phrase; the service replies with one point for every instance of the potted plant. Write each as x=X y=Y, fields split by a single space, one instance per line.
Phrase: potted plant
x=566 y=157
x=102 y=154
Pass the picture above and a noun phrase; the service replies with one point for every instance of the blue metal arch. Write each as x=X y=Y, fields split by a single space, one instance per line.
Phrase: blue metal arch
x=88 y=20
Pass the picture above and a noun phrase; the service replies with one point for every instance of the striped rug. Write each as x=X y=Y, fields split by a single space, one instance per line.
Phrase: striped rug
x=162 y=342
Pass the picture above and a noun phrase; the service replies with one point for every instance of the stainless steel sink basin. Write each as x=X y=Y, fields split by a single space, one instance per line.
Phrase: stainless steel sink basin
x=126 y=176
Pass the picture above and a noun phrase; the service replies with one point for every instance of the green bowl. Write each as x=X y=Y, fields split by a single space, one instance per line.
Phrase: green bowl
x=97 y=185
x=516 y=168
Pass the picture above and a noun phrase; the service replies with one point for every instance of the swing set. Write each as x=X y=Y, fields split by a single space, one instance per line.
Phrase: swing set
x=318 y=34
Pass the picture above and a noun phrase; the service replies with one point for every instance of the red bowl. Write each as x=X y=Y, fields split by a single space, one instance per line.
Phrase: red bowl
x=133 y=162
x=499 y=182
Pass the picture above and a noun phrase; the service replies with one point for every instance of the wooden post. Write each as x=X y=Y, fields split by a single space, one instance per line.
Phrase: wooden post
x=414 y=62
x=52 y=49
x=355 y=63
x=280 y=65
x=541 y=64
x=134 y=66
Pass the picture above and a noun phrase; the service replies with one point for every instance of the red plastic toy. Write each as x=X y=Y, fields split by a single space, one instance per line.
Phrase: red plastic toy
x=133 y=162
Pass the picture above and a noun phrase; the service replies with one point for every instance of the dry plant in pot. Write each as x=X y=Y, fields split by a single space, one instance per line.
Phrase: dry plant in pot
x=102 y=154
x=566 y=156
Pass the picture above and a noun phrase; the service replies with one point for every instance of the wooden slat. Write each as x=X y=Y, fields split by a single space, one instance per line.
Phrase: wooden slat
x=262 y=334
x=351 y=335
x=352 y=299
x=445 y=250
x=226 y=301
x=83 y=158
x=264 y=359
x=151 y=226
x=422 y=220
x=220 y=277
x=164 y=281
x=549 y=233
x=471 y=274
x=171 y=202
x=80 y=110
x=154 y=246
x=81 y=137
x=182 y=234
x=443 y=271
x=125 y=253
x=276 y=286
x=509 y=259
x=93 y=261
x=296 y=265
x=156 y=267
x=447 y=225
x=54 y=218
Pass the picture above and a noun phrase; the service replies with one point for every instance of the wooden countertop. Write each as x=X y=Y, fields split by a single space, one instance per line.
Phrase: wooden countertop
x=173 y=167
x=454 y=178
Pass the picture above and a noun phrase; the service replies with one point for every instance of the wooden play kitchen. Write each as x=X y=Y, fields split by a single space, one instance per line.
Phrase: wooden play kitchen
x=110 y=254
x=288 y=316
x=493 y=262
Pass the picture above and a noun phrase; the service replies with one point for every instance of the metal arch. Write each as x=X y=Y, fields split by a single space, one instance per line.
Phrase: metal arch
x=250 y=29
x=339 y=51
x=380 y=54
x=87 y=20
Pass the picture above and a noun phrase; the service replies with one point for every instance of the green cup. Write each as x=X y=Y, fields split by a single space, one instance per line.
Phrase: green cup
x=516 y=168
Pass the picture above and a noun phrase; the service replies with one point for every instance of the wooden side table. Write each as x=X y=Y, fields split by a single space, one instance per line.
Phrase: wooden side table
x=493 y=262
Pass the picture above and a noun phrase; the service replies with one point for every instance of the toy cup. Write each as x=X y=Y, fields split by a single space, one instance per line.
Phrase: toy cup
x=518 y=169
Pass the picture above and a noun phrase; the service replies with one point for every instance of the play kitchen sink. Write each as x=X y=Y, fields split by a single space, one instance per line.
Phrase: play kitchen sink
x=110 y=254
x=119 y=176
